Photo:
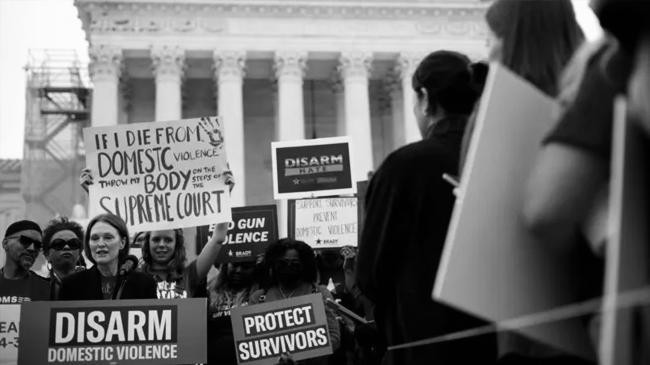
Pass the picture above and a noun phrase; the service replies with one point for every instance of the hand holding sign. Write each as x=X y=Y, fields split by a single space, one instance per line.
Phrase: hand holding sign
x=86 y=178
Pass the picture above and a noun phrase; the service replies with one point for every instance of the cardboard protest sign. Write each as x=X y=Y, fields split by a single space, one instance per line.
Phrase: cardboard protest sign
x=491 y=265
x=9 y=327
x=309 y=168
x=160 y=175
x=170 y=331
x=250 y=232
x=624 y=331
x=325 y=222
x=265 y=331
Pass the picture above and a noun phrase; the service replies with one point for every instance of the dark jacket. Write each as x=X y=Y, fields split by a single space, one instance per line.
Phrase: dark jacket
x=86 y=285
x=408 y=207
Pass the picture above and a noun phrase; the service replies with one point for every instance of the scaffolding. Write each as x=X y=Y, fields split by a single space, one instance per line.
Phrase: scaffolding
x=57 y=109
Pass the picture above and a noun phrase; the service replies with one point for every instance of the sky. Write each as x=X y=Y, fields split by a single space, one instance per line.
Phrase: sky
x=41 y=24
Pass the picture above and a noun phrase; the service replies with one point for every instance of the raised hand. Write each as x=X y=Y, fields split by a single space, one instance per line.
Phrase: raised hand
x=86 y=178
x=228 y=178
x=212 y=130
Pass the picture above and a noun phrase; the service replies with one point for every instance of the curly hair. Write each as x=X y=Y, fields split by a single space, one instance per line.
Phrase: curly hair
x=176 y=265
x=115 y=222
x=59 y=224
x=276 y=251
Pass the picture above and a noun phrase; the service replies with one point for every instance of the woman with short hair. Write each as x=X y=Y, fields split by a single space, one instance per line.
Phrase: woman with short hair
x=106 y=244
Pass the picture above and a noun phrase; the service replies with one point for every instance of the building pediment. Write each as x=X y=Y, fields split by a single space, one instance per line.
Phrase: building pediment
x=452 y=18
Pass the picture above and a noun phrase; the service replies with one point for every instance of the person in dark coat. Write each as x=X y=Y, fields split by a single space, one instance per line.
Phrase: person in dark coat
x=408 y=207
x=106 y=244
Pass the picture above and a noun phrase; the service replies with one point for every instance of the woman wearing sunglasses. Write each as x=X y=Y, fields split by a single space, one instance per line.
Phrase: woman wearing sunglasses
x=62 y=242
x=106 y=244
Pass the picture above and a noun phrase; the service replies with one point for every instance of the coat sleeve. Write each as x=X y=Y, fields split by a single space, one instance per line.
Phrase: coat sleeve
x=384 y=221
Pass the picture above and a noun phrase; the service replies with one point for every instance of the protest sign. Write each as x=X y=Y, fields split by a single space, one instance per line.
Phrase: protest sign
x=310 y=168
x=362 y=189
x=9 y=320
x=160 y=175
x=624 y=331
x=265 y=331
x=170 y=331
x=324 y=222
x=250 y=232
x=491 y=265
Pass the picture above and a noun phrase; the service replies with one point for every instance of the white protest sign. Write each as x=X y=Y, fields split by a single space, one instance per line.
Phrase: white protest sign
x=9 y=327
x=159 y=175
x=326 y=222
x=491 y=265
x=627 y=252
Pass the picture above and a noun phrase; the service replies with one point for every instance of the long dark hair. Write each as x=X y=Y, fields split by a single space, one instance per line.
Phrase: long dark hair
x=276 y=251
x=176 y=265
x=539 y=37
x=115 y=222
x=448 y=78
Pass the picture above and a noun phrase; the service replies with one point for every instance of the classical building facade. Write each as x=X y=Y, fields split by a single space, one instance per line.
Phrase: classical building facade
x=273 y=70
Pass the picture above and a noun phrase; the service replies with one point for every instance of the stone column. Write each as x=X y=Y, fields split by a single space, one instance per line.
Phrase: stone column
x=289 y=71
x=406 y=65
x=229 y=75
x=168 y=64
x=105 y=70
x=355 y=68
x=393 y=87
x=339 y=94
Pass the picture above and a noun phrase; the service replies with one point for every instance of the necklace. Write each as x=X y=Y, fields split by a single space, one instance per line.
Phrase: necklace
x=286 y=296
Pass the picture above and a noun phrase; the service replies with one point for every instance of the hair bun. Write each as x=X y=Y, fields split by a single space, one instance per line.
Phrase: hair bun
x=479 y=71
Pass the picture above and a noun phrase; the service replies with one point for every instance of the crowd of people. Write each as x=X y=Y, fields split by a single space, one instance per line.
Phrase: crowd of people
x=388 y=280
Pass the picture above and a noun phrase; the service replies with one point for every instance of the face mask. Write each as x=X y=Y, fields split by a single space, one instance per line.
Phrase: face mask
x=288 y=272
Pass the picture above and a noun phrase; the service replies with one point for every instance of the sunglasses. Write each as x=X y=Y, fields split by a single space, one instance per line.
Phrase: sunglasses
x=28 y=241
x=59 y=244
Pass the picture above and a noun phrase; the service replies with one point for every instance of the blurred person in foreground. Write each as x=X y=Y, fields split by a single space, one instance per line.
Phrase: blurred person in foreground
x=408 y=207
x=62 y=245
x=106 y=244
x=22 y=242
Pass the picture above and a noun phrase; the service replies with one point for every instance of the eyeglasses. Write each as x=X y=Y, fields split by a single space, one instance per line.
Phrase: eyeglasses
x=59 y=244
x=28 y=241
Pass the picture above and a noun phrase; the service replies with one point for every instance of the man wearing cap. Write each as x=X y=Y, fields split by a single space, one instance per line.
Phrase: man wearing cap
x=22 y=243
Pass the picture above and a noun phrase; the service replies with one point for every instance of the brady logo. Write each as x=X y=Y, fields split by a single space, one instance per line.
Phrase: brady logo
x=313 y=165
x=77 y=326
